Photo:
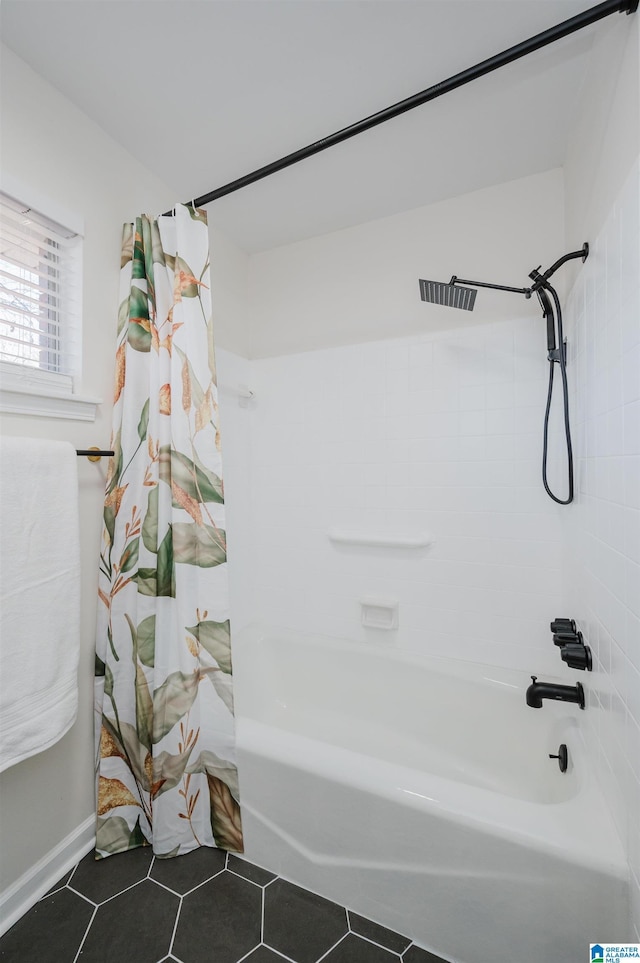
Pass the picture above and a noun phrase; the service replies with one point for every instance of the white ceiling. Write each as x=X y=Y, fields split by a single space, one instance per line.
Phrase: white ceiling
x=203 y=92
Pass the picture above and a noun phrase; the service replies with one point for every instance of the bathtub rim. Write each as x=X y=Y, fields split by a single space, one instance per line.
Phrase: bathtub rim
x=558 y=827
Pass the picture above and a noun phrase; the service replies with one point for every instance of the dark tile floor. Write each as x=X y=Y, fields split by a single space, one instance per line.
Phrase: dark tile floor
x=205 y=907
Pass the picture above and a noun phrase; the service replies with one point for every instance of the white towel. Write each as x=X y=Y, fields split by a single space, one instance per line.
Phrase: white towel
x=39 y=595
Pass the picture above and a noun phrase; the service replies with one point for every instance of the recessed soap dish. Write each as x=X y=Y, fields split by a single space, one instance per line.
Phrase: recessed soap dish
x=379 y=613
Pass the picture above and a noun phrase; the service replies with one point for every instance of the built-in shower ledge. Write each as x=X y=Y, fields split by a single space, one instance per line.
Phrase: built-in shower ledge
x=379 y=539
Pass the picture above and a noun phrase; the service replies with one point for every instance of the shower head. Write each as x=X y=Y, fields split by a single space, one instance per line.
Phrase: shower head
x=454 y=295
x=450 y=295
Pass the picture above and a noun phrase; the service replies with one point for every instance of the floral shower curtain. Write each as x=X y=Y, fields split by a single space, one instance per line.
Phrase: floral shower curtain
x=166 y=770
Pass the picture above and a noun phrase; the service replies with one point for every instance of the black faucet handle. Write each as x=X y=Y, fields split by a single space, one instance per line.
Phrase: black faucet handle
x=563 y=625
x=566 y=638
x=577 y=656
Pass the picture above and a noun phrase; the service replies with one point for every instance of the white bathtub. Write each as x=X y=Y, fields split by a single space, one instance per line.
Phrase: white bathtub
x=419 y=793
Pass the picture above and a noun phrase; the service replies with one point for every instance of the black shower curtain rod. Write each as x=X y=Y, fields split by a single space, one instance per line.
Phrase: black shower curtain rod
x=564 y=29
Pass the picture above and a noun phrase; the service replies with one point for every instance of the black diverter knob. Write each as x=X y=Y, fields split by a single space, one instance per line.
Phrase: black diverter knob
x=563 y=625
x=576 y=655
x=566 y=638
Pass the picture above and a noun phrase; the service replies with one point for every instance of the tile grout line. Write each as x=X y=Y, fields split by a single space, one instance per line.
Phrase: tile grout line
x=110 y=898
x=332 y=948
x=197 y=886
x=398 y=953
x=86 y=933
x=175 y=927
x=240 y=876
x=380 y=946
x=73 y=873
x=164 y=886
x=82 y=896
x=289 y=959
x=53 y=892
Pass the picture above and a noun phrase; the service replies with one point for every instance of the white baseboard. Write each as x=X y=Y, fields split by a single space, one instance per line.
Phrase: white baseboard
x=27 y=890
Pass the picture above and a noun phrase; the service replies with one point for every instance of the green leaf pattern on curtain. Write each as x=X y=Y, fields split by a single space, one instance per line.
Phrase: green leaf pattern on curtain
x=165 y=747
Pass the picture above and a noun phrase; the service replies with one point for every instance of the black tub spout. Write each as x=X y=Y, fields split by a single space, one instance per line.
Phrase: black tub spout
x=538 y=691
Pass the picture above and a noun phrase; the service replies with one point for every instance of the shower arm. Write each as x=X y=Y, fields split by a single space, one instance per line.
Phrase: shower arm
x=539 y=280
x=495 y=287
x=542 y=288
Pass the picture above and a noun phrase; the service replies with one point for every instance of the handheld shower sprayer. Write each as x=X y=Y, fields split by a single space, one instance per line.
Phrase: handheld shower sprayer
x=455 y=296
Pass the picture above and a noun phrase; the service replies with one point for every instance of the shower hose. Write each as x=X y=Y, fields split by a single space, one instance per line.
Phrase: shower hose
x=561 y=360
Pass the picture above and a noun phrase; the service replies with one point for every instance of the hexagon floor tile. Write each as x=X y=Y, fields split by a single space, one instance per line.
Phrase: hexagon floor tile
x=202 y=907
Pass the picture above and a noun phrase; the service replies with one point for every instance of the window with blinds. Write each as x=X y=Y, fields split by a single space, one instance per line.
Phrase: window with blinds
x=40 y=297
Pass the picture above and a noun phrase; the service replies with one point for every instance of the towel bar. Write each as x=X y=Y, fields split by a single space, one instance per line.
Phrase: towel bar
x=93 y=454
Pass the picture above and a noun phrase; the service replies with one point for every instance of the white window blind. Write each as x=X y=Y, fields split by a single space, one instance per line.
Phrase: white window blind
x=40 y=297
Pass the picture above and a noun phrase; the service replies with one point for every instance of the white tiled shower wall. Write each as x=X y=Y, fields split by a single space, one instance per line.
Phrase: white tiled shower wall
x=437 y=434
x=602 y=528
x=233 y=380
x=442 y=434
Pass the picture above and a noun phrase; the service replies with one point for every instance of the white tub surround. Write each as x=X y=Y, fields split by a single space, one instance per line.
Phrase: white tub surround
x=419 y=792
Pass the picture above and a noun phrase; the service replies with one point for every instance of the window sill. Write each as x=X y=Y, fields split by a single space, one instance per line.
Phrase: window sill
x=47 y=404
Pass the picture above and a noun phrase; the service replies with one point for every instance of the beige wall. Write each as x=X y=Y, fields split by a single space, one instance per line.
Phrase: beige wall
x=49 y=144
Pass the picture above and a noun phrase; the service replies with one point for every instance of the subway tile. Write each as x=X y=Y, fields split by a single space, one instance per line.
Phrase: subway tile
x=631 y=474
x=632 y=428
x=632 y=586
x=500 y=396
x=421 y=355
x=629 y=235
x=615 y=473
x=631 y=374
x=472 y=397
x=633 y=638
x=472 y=422
x=631 y=695
x=468 y=447
x=397 y=450
x=396 y=428
x=630 y=317
x=397 y=382
x=397 y=356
